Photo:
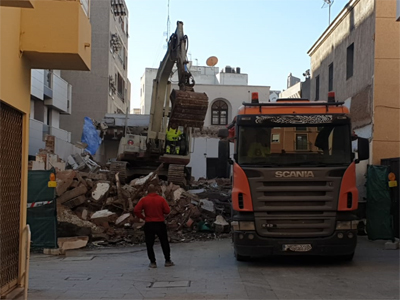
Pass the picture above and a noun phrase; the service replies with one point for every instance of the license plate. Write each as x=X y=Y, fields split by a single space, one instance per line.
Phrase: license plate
x=297 y=247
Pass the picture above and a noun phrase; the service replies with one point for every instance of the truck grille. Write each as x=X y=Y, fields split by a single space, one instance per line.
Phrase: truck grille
x=295 y=207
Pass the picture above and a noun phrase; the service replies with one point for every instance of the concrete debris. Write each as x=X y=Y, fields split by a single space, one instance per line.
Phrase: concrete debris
x=97 y=205
x=69 y=243
x=76 y=192
x=207 y=205
x=100 y=191
x=122 y=219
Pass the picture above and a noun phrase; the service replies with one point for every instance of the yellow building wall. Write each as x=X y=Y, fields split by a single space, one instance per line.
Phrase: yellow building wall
x=15 y=75
x=386 y=137
x=15 y=66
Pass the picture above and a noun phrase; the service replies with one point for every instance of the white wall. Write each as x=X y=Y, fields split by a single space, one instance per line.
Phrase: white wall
x=293 y=92
x=204 y=148
x=234 y=95
x=64 y=149
x=35 y=136
x=37 y=83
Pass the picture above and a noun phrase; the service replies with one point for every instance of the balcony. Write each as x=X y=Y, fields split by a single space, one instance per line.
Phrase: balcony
x=17 y=3
x=57 y=35
x=57 y=93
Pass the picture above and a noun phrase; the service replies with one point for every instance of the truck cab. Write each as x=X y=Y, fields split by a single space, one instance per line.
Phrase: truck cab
x=294 y=180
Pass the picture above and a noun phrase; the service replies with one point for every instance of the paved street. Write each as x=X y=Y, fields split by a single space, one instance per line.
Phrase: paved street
x=208 y=270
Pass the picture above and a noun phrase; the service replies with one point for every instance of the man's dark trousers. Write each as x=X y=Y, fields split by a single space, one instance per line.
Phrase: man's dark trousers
x=151 y=229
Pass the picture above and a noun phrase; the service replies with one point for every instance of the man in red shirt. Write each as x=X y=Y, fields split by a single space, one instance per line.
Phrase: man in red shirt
x=154 y=207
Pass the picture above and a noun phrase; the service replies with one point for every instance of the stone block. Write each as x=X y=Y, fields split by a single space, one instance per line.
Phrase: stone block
x=56 y=251
x=69 y=243
x=75 y=201
x=76 y=192
x=100 y=191
x=64 y=180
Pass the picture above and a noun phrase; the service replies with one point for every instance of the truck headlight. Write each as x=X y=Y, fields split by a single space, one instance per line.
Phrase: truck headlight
x=346 y=225
x=247 y=226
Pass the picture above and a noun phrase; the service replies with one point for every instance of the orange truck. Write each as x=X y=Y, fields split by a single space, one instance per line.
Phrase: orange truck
x=294 y=178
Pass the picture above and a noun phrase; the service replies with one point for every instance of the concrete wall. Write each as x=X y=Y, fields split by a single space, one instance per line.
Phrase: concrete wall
x=203 y=148
x=352 y=26
x=292 y=92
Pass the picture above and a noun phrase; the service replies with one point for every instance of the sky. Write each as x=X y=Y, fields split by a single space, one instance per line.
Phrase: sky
x=267 y=39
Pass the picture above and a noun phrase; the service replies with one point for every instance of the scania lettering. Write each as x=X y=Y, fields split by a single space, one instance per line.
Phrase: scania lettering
x=294 y=178
x=294 y=174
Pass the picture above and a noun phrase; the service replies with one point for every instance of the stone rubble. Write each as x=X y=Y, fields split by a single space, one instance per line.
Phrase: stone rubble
x=97 y=205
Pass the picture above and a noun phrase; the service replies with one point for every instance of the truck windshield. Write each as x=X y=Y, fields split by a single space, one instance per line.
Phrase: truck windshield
x=291 y=146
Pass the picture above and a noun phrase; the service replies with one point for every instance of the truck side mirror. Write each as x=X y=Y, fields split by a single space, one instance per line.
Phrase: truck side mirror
x=223 y=133
x=363 y=148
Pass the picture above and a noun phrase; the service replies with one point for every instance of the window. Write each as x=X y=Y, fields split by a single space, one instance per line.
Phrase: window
x=330 y=81
x=317 y=88
x=301 y=142
x=121 y=87
x=350 y=61
x=219 y=113
x=301 y=128
x=276 y=138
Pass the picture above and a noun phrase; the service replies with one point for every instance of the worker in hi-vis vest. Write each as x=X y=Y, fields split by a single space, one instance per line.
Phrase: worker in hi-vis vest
x=258 y=146
x=173 y=136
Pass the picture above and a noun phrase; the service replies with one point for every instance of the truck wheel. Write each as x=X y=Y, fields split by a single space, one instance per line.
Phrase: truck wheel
x=241 y=257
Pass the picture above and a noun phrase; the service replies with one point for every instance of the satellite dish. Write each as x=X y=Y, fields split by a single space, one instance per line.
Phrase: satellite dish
x=212 y=61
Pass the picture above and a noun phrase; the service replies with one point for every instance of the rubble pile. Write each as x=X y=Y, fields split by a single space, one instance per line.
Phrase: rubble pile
x=96 y=204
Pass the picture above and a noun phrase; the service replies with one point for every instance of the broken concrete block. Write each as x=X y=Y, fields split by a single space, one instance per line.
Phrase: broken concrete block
x=38 y=165
x=82 y=213
x=102 y=216
x=69 y=243
x=76 y=192
x=221 y=225
x=59 y=166
x=177 y=194
x=208 y=206
x=56 y=251
x=100 y=191
x=391 y=245
x=140 y=181
x=122 y=219
x=89 y=182
x=74 y=184
x=75 y=201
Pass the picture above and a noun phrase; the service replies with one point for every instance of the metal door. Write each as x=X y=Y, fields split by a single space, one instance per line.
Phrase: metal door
x=10 y=194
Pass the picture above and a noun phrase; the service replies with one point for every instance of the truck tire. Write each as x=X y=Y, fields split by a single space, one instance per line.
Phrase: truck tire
x=348 y=257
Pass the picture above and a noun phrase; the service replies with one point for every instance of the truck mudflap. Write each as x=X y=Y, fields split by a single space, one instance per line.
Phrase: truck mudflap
x=340 y=243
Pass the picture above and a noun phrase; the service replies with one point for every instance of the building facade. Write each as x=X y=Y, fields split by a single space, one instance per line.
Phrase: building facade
x=226 y=90
x=51 y=97
x=106 y=88
x=25 y=45
x=358 y=57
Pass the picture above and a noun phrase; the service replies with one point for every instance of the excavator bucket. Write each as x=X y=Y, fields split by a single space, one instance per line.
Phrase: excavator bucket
x=188 y=108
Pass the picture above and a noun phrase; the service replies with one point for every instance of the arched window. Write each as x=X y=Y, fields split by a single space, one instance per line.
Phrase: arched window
x=219 y=113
